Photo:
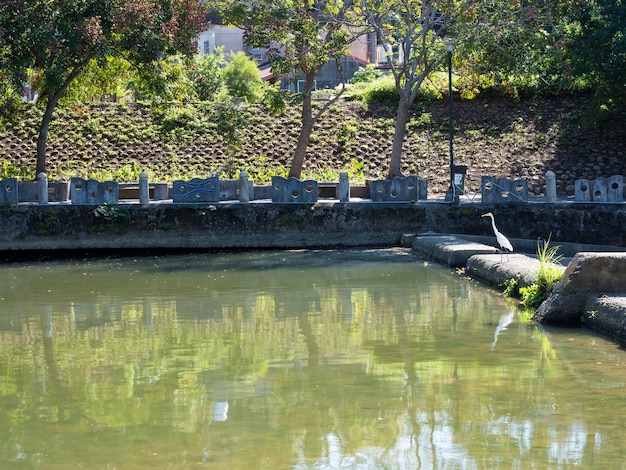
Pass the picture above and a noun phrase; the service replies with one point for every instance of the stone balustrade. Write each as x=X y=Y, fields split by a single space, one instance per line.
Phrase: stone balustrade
x=212 y=190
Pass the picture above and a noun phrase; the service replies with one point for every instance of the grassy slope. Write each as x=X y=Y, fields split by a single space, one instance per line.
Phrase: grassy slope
x=492 y=136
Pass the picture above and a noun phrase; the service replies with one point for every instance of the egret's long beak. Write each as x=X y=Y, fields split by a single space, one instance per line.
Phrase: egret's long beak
x=484 y=215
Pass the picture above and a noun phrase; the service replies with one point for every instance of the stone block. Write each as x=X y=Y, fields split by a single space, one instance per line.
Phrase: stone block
x=263 y=192
x=58 y=191
x=27 y=191
x=8 y=192
x=155 y=191
x=450 y=250
x=327 y=190
x=229 y=190
x=606 y=314
x=615 y=188
x=550 y=186
x=293 y=190
x=587 y=276
x=582 y=190
x=397 y=189
x=599 y=190
x=161 y=192
x=497 y=271
x=518 y=191
x=343 y=187
x=422 y=189
x=196 y=190
x=93 y=192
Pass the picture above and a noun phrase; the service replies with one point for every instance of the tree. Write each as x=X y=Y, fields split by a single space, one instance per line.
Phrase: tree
x=597 y=50
x=57 y=39
x=414 y=32
x=530 y=53
x=206 y=73
x=300 y=38
x=242 y=77
x=100 y=77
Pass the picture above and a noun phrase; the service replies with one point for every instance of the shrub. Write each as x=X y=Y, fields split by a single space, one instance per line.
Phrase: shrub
x=10 y=170
x=533 y=295
x=230 y=120
x=180 y=118
x=243 y=78
x=10 y=105
x=206 y=74
x=366 y=74
x=382 y=90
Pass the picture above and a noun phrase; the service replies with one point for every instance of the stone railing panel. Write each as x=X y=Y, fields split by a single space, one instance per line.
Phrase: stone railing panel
x=599 y=190
x=293 y=190
x=93 y=192
x=196 y=190
x=397 y=189
x=498 y=190
x=8 y=192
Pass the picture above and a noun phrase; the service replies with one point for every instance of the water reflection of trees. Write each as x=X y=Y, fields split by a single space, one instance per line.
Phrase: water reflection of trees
x=359 y=370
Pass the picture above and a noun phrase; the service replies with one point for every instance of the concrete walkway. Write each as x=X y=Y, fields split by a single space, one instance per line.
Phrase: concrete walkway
x=481 y=261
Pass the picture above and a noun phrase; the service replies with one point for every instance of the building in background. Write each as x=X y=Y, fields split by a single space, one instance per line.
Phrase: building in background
x=363 y=51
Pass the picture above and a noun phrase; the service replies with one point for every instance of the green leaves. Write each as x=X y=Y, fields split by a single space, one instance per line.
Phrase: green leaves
x=243 y=78
x=58 y=40
x=298 y=37
x=598 y=50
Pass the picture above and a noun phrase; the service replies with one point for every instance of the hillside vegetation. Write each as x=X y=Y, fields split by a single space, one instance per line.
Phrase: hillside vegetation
x=493 y=136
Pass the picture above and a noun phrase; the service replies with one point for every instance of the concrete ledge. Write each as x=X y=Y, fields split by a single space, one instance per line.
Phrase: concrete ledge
x=449 y=250
x=496 y=270
x=523 y=245
x=482 y=262
x=590 y=293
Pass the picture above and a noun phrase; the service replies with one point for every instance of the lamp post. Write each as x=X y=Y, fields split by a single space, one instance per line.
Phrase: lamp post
x=451 y=195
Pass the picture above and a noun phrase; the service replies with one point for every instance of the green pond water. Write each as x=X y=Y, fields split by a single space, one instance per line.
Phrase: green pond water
x=369 y=359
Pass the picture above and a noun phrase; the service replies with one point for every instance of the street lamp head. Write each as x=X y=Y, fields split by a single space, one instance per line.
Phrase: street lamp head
x=450 y=43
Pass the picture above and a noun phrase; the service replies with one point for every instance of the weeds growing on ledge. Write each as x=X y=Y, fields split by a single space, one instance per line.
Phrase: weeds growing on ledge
x=533 y=295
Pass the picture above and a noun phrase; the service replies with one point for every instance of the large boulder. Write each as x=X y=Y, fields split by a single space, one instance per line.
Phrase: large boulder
x=587 y=277
x=607 y=314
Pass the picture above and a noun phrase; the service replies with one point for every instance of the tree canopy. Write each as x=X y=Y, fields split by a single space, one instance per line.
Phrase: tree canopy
x=300 y=39
x=60 y=46
x=57 y=40
x=597 y=48
x=414 y=34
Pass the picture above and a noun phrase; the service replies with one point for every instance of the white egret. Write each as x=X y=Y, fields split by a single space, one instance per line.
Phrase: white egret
x=504 y=242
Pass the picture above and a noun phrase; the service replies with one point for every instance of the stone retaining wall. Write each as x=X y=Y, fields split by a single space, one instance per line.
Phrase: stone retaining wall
x=272 y=225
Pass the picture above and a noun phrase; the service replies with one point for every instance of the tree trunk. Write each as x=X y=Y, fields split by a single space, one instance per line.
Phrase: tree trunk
x=53 y=98
x=395 y=161
x=307 y=128
x=303 y=142
x=43 y=132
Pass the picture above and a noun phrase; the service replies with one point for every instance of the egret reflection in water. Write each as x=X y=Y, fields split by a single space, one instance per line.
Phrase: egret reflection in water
x=504 y=321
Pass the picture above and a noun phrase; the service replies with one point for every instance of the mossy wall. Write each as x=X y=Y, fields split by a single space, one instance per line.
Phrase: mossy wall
x=269 y=225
